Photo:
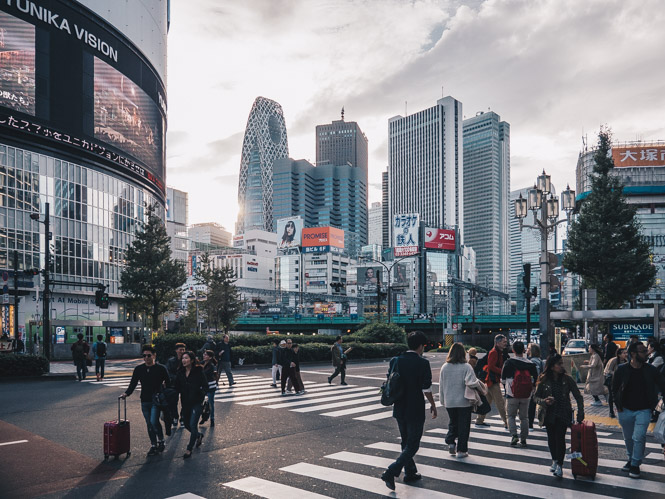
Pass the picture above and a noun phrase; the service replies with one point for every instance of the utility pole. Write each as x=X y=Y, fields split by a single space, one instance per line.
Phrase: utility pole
x=16 y=298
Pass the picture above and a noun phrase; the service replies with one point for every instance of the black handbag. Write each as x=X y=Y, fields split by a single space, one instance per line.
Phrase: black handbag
x=159 y=399
x=483 y=408
x=205 y=413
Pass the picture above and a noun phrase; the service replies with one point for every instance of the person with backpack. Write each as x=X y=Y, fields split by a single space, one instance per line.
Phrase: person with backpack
x=80 y=351
x=99 y=351
x=519 y=376
x=491 y=375
x=533 y=354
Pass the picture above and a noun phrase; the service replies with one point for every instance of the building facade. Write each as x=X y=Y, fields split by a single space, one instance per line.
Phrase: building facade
x=375 y=224
x=341 y=143
x=177 y=218
x=86 y=143
x=425 y=171
x=209 y=234
x=334 y=195
x=385 y=210
x=265 y=141
x=486 y=199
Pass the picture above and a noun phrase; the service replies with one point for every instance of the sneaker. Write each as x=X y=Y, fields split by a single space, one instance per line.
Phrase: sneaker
x=329 y=380
x=273 y=385
x=558 y=471
x=612 y=415
x=412 y=478
x=161 y=447
x=284 y=394
x=462 y=455
x=596 y=403
x=182 y=424
x=482 y=424
x=553 y=467
x=514 y=441
x=199 y=440
x=343 y=383
x=523 y=444
x=452 y=448
x=388 y=479
x=153 y=451
x=174 y=423
x=626 y=467
x=634 y=472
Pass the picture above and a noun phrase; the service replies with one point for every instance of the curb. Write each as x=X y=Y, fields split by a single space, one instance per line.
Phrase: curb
x=43 y=377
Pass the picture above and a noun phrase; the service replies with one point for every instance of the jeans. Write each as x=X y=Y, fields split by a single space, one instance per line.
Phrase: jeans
x=556 y=440
x=340 y=369
x=190 y=416
x=276 y=369
x=81 y=369
x=411 y=433
x=287 y=373
x=634 y=425
x=211 y=403
x=513 y=406
x=151 y=415
x=99 y=366
x=494 y=394
x=227 y=369
x=459 y=427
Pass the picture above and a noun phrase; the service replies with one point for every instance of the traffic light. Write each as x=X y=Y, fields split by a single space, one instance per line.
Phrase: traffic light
x=101 y=299
x=526 y=278
x=31 y=272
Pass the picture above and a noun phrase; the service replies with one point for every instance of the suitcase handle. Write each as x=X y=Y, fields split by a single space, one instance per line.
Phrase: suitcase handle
x=119 y=399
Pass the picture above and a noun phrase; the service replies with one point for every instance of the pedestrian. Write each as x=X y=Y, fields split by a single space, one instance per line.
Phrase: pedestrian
x=296 y=380
x=519 y=376
x=80 y=351
x=609 y=348
x=654 y=355
x=209 y=365
x=173 y=365
x=610 y=369
x=192 y=386
x=99 y=351
x=455 y=377
x=492 y=378
x=287 y=360
x=473 y=357
x=208 y=345
x=409 y=409
x=224 y=356
x=552 y=350
x=533 y=354
x=636 y=385
x=555 y=411
x=595 y=380
x=633 y=339
x=339 y=360
x=153 y=378
x=276 y=367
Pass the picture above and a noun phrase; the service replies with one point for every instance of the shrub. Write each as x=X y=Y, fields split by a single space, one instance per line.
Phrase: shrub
x=380 y=332
x=22 y=365
x=466 y=347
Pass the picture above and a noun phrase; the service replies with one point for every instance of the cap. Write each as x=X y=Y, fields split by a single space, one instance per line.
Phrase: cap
x=283 y=342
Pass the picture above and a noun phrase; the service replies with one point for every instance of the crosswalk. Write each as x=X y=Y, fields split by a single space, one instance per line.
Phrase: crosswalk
x=492 y=467
x=357 y=402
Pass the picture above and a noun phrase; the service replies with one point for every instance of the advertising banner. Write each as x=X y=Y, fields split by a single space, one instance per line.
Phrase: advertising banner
x=17 y=64
x=405 y=231
x=638 y=155
x=368 y=277
x=443 y=239
x=622 y=331
x=290 y=229
x=322 y=240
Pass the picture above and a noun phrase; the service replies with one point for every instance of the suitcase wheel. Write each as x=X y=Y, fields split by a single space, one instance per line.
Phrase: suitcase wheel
x=106 y=457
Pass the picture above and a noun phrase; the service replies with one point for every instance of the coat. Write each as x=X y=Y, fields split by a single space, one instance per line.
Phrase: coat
x=544 y=389
x=595 y=381
x=416 y=376
x=337 y=356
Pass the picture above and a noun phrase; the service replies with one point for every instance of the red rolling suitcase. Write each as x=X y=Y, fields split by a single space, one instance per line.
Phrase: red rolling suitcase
x=116 y=435
x=584 y=441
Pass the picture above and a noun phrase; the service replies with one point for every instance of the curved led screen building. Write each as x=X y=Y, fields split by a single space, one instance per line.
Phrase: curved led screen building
x=82 y=129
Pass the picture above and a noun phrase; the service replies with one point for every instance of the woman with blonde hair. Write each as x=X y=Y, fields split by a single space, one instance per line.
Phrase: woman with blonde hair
x=455 y=377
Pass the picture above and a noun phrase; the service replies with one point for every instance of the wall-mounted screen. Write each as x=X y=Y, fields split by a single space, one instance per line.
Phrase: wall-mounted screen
x=17 y=64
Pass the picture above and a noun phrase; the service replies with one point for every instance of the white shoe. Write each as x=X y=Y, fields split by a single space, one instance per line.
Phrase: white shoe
x=461 y=455
x=553 y=467
x=558 y=472
x=596 y=403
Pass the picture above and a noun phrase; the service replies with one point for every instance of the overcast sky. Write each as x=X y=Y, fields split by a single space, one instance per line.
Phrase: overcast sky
x=554 y=69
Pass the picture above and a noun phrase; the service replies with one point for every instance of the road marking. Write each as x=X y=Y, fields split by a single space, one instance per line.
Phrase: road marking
x=13 y=443
x=256 y=390
x=385 y=414
x=354 y=410
x=188 y=495
x=294 y=403
x=362 y=482
x=536 y=469
x=358 y=376
x=278 y=395
x=333 y=405
x=271 y=490
x=494 y=483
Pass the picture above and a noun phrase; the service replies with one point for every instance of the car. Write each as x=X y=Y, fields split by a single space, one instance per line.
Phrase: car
x=575 y=346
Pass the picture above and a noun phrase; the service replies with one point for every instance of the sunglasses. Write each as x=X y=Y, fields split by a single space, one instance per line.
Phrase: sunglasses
x=147 y=355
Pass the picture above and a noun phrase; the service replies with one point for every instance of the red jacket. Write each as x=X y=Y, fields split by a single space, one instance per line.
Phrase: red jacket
x=494 y=365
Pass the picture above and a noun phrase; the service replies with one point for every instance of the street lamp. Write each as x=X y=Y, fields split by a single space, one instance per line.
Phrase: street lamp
x=389 y=271
x=46 y=316
x=538 y=200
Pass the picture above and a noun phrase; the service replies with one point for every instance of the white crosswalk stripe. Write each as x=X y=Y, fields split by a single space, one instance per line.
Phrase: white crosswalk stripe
x=494 y=468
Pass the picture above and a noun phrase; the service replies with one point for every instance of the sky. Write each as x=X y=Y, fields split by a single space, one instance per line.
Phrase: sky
x=556 y=70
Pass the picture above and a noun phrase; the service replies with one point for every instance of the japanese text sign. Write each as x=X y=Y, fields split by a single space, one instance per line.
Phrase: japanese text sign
x=405 y=234
x=638 y=156
x=440 y=239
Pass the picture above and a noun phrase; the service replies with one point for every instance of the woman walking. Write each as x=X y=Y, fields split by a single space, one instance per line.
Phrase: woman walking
x=455 y=377
x=209 y=364
x=533 y=354
x=555 y=411
x=595 y=381
x=610 y=368
x=192 y=386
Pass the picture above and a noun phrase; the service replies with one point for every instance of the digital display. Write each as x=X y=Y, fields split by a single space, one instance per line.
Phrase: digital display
x=127 y=118
x=17 y=64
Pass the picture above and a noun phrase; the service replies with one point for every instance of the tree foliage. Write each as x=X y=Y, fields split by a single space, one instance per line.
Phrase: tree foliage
x=380 y=332
x=151 y=279
x=222 y=305
x=605 y=244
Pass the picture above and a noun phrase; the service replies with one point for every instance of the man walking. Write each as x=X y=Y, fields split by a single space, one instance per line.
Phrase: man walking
x=153 y=377
x=287 y=361
x=339 y=360
x=493 y=370
x=519 y=376
x=609 y=348
x=224 y=355
x=99 y=351
x=80 y=351
x=172 y=367
x=409 y=411
x=277 y=348
x=636 y=385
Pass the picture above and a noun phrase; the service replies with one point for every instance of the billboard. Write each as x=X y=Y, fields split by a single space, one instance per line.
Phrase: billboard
x=17 y=64
x=290 y=232
x=638 y=155
x=622 y=331
x=443 y=239
x=368 y=277
x=405 y=234
x=322 y=240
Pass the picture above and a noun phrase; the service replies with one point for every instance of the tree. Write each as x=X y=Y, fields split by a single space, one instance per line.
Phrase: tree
x=151 y=279
x=381 y=332
x=223 y=305
x=605 y=244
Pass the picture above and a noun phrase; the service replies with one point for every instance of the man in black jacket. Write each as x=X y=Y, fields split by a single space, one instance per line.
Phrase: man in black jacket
x=153 y=377
x=609 y=348
x=635 y=386
x=409 y=411
x=172 y=367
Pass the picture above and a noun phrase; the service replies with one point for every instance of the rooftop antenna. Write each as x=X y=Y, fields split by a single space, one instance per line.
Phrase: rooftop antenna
x=442 y=91
x=342 y=113
x=405 y=112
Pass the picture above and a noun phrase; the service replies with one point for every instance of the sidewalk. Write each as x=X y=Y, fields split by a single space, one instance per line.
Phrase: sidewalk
x=113 y=367
x=601 y=414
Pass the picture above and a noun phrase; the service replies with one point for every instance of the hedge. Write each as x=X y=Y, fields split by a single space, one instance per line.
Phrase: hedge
x=466 y=347
x=12 y=365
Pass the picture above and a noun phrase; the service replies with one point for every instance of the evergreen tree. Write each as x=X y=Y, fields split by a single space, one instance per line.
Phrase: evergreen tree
x=223 y=305
x=605 y=244
x=151 y=280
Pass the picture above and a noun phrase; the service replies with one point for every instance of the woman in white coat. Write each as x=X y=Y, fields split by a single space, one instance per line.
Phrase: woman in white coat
x=595 y=381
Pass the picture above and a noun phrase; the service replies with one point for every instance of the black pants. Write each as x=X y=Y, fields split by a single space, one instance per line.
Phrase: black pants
x=340 y=369
x=610 y=395
x=287 y=372
x=532 y=412
x=411 y=432
x=459 y=427
x=556 y=439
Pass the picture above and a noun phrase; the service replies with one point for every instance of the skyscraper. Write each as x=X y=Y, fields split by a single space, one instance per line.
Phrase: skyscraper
x=486 y=195
x=265 y=141
x=340 y=143
x=385 y=210
x=375 y=224
x=425 y=166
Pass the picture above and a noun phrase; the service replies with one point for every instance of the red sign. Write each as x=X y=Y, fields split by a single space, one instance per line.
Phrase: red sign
x=323 y=236
x=638 y=155
x=440 y=239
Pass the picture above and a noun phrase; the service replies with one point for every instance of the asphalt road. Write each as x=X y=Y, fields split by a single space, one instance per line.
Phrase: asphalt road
x=333 y=441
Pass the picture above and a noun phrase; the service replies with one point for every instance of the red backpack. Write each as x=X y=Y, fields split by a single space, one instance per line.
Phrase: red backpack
x=522 y=384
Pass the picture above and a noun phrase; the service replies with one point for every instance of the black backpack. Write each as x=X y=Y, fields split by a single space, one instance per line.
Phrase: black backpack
x=393 y=388
x=480 y=374
x=101 y=349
